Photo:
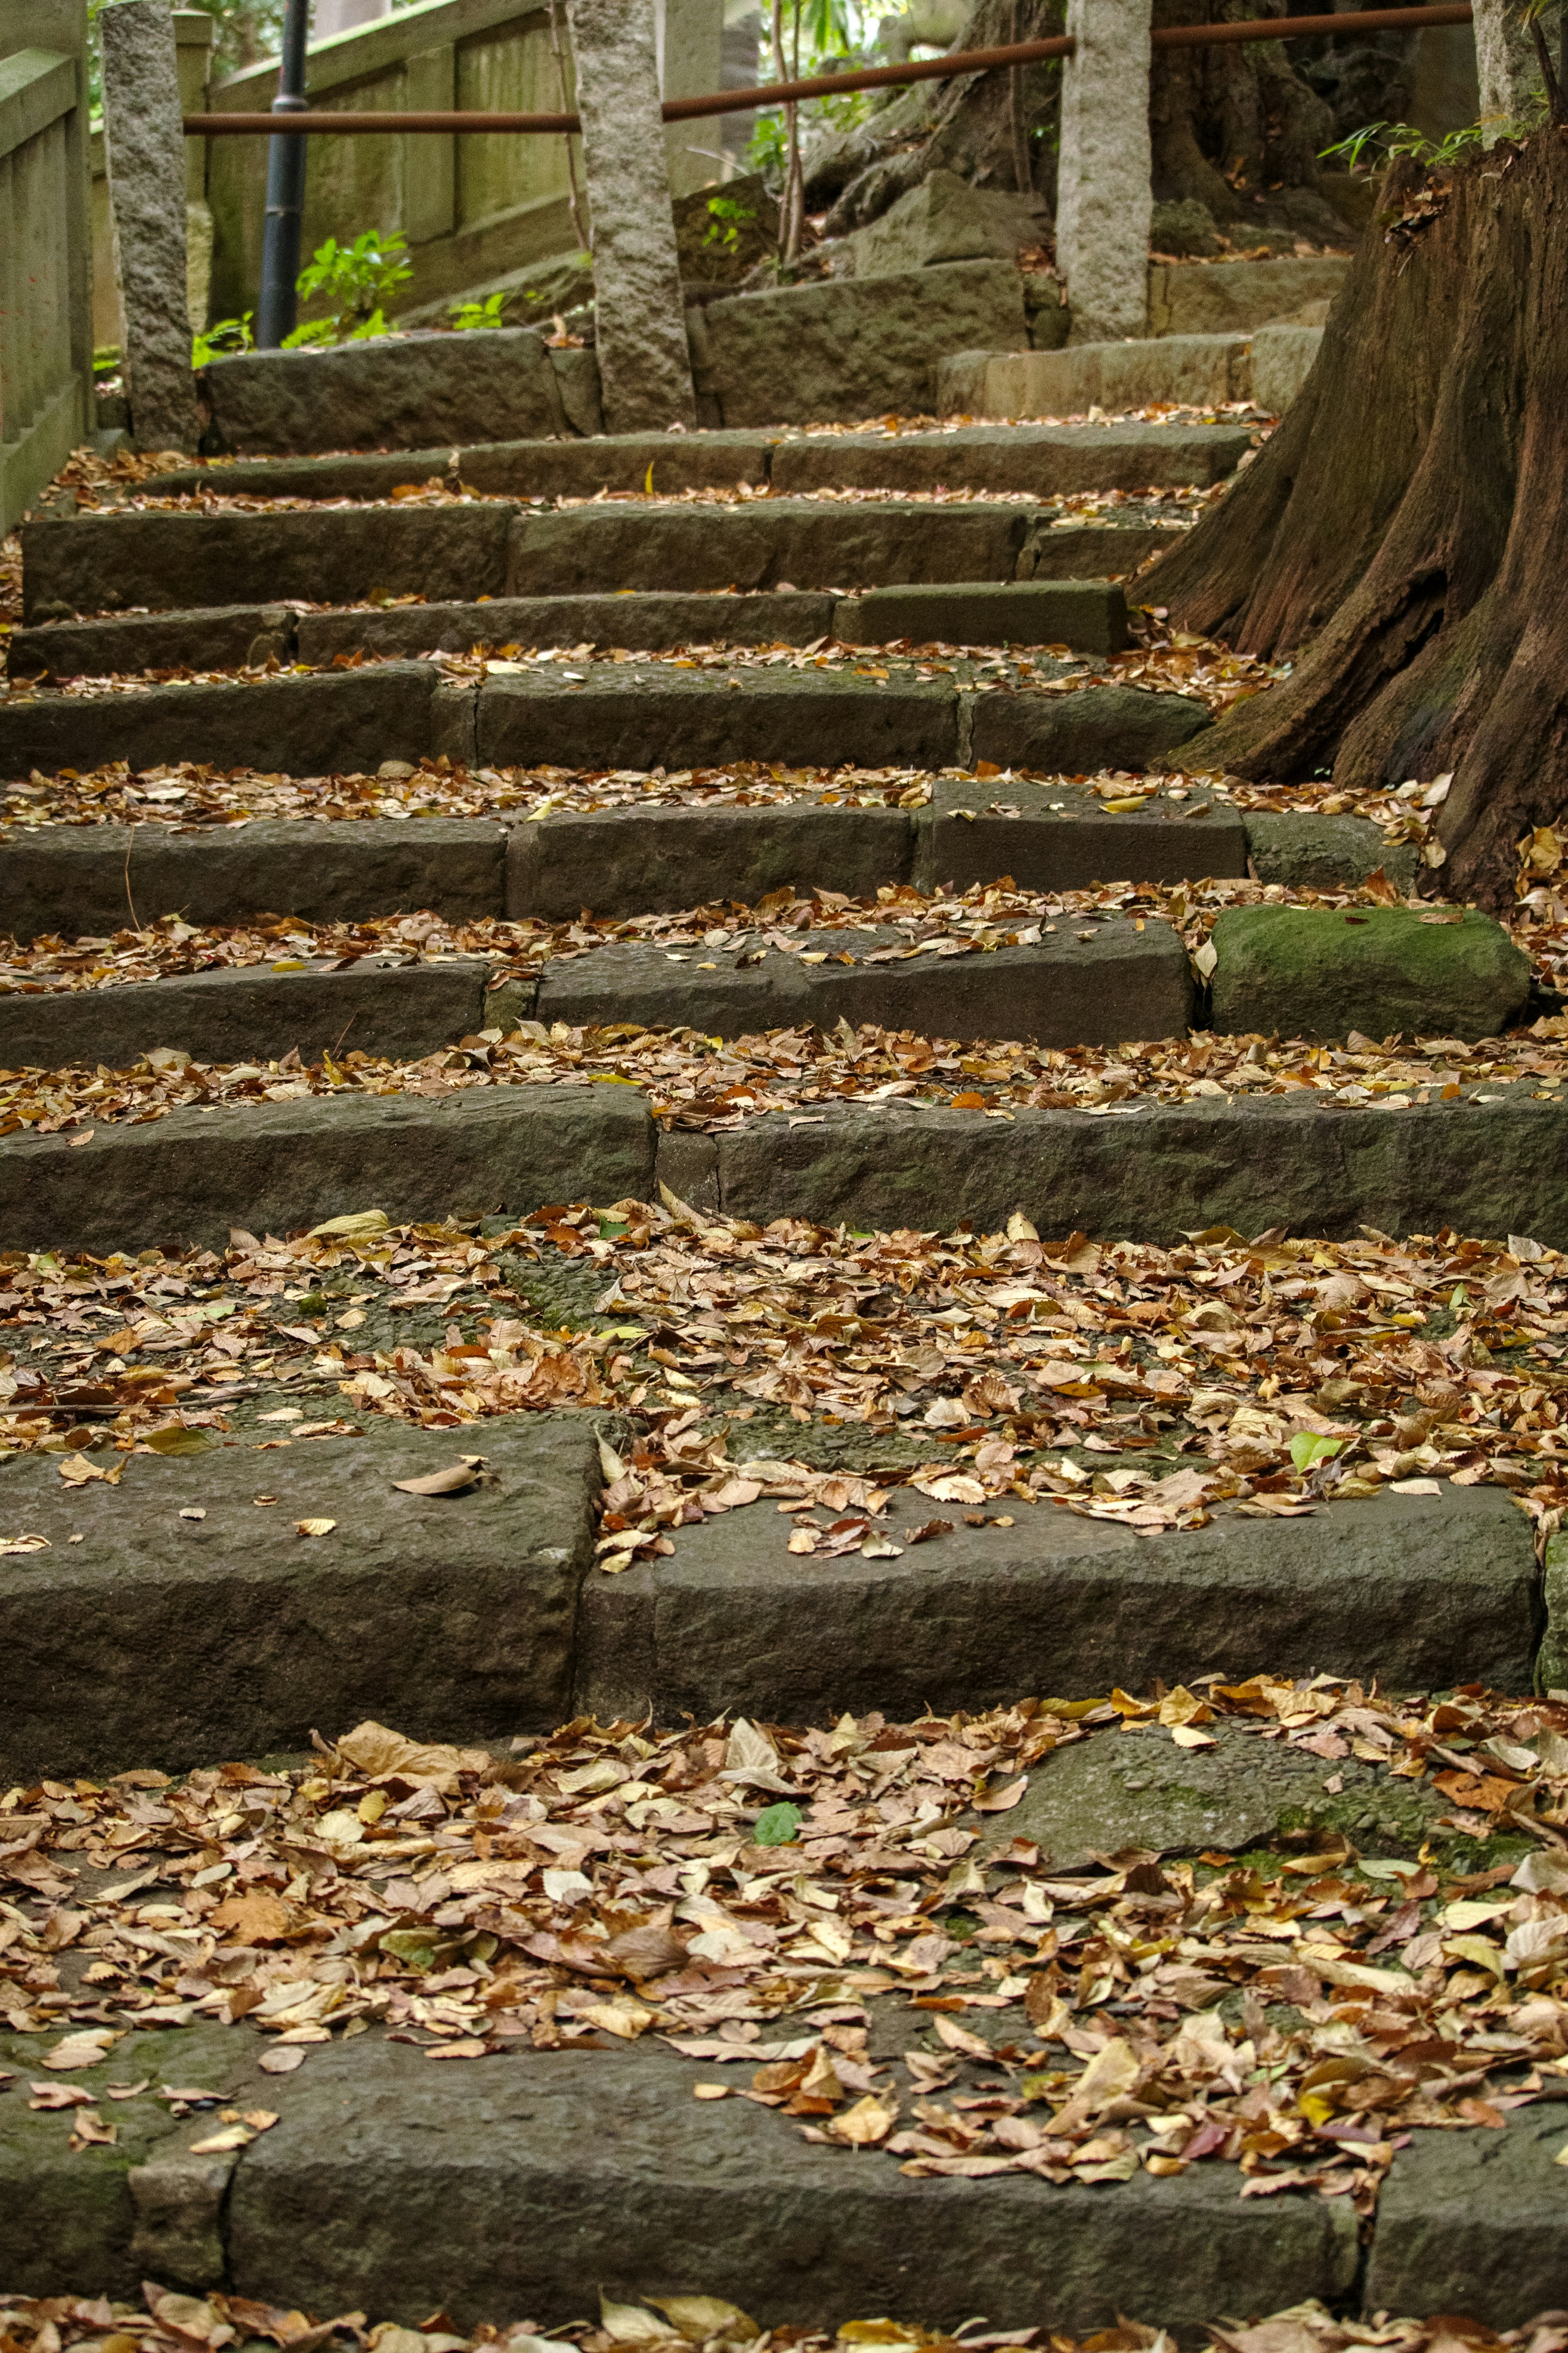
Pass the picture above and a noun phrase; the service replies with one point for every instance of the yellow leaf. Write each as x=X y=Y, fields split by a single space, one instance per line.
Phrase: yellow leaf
x=865 y=2124
x=358 y=1226
x=315 y=1527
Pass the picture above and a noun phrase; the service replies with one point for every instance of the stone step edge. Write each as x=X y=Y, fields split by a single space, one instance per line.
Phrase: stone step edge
x=646 y=860
x=351 y=720
x=1089 y=615
x=525 y=2183
x=1061 y=991
x=1154 y=1171
x=711 y=459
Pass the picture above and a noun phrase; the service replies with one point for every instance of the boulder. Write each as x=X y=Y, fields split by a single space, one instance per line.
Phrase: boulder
x=1301 y=972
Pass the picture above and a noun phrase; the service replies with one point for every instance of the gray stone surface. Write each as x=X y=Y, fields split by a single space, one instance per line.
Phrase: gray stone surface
x=624 y=718
x=1091 y=614
x=506 y=2186
x=1311 y=973
x=1476 y=2223
x=527 y=468
x=337 y=722
x=409 y=392
x=1063 y=838
x=1099 y=727
x=580 y=387
x=1327 y=852
x=1103 y=199
x=645 y=367
x=655 y=620
x=1067 y=551
x=1554 y=1660
x=170 y=1642
x=1419 y=1590
x=225 y=637
x=1199 y=370
x=248 y=1014
x=1166 y=1169
x=809 y=544
x=943 y=218
x=69 y=2215
x=851 y=348
x=145 y=148
x=1282 y=360
x=177 y=2199
x=73 y=878
x=360 y=476
x=104 y=563
x=650 y=861
x=1064 y=991
x=191 y=1175
x=1506 y=67
x=1138 y=1788
x=1221 y=298
x=1045 y=459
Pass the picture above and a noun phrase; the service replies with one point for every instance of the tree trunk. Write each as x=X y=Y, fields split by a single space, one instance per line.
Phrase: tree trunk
x=1401 y=533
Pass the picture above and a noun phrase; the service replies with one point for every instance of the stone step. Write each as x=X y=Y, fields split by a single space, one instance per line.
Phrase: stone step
x=1491 y=1165
x=610 y=715
x=1091 y=614
x=525 y=2183
x=164 y=1641
x=339 y=554
x=1047 y=460
x=1127 y=981
x=1266 y=366
x=77 y=880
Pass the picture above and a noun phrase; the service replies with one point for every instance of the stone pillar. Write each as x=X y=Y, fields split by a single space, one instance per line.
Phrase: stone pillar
x=145 y=148
x=1506 y=65
x=1103 y=199
x=689 y=37
x=193 y=32
x=644 y=364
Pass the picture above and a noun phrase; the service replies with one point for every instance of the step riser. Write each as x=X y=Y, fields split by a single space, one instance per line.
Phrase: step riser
x=212 y=1639
x=1125 y=984
x=1159 y=1173
x=247 y=1016
x=1048 y=461
x=1084 y=615
x=72 y=881
x=339 y=555
x=349 y=722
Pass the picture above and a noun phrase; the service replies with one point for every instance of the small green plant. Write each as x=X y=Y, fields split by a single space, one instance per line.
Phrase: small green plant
x=726 y=219
x=226 y=335
x=355 y=280
x=777 y=1825
x=1394 y=139
x=465 y=316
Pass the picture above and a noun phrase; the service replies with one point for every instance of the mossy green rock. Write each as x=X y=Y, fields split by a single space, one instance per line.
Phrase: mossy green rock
x=1322 y=973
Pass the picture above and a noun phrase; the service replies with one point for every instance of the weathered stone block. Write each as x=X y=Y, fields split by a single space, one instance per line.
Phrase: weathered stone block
x=847 y=348
x=1311 y=973
x=943 y=218
x=144 y=147
x=1325 y=852
x=1091 y=614
x=410 y=391
x=1282 y=360
x=1225 y=298
x=1100 y=727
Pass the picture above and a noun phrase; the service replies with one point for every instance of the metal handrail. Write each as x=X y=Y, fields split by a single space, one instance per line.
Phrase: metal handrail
x=778 y=93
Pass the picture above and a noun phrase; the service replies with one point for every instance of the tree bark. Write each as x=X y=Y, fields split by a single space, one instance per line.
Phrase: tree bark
x=1400 y=534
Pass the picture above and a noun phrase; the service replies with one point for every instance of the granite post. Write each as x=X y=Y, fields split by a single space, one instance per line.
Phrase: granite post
x=644 y=362
x=1506 y=65
x=145 y=150
x=1103 y=196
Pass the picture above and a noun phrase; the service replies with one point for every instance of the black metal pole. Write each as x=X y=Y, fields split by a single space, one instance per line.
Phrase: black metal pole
x=285 y=188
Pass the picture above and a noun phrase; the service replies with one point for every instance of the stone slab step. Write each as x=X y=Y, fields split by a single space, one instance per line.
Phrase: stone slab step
x=1158 y=1171
x=342 y=555
x=1049 y=461
x=1091 y=614
x=1127 y=981
x=72 y=879
x=612 y=716
x=523 y=2183
x=251 y=1014
x=228 y=1636
x=1267 y=365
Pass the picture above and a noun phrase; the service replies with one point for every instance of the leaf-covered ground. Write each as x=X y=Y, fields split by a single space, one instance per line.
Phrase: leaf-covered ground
x=167 y=2322
x=838 y=1923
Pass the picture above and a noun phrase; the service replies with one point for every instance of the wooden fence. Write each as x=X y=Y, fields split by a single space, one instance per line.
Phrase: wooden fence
x=45 y=355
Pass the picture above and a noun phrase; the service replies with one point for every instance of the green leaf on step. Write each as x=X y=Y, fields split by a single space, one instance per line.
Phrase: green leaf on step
x=1306 y=1448
x=777 y=1825
x=414 y=1946
x=177 y=1439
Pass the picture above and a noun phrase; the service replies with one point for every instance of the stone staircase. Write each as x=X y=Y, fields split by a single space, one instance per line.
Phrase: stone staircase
x=172 y=1624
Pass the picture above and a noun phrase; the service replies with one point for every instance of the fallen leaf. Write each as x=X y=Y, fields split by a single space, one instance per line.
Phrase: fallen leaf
x=315 y=1527
x=451 y=1482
